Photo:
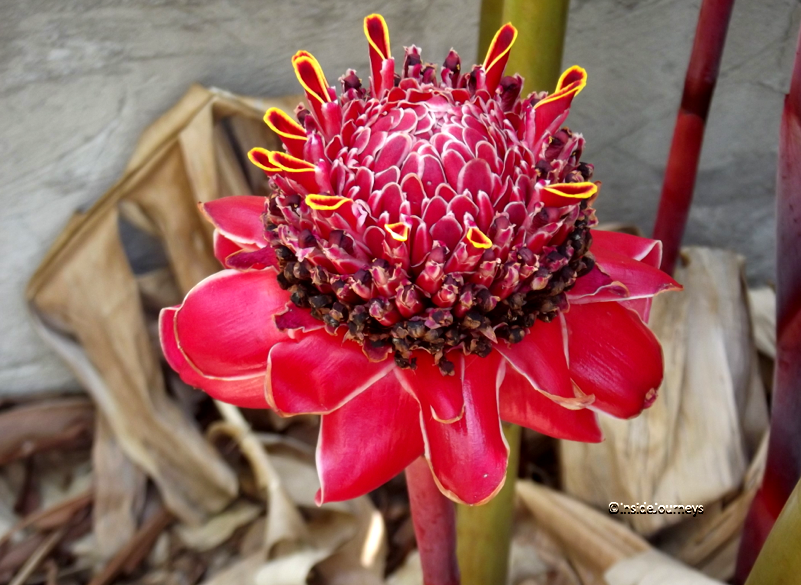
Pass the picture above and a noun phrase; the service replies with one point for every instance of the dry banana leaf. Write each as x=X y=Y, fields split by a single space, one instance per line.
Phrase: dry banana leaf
x=763 y=315
x=600 y=549
x=86 y=299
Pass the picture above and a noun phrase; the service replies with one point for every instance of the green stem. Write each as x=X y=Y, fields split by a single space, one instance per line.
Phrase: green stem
x=491 y=21
x=484 y=532
x=537 y=53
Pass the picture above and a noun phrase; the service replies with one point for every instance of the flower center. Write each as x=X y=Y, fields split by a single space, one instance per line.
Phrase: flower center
x=436 y=225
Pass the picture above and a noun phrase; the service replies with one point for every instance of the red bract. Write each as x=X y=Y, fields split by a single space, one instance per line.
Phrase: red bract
x=423 y=269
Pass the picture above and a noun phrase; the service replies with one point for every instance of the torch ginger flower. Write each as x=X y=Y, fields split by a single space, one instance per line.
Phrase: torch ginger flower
x=424 y=268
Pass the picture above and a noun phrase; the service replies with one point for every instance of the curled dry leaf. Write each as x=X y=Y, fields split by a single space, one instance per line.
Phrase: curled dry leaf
x=589 y=536
x=38 y=556
x=284 y=522
x=218 y=528
x=51 y=518
x=116 y=364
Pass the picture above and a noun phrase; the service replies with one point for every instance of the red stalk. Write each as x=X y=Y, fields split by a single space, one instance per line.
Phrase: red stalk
x=685 y=151
x=783 y=467
x=434 y=518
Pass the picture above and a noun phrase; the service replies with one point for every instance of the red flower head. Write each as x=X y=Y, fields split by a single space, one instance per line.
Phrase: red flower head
x=423 y=269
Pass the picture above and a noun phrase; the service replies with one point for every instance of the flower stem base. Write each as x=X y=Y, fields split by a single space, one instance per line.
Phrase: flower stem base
x=484 y=532
x=434 y=518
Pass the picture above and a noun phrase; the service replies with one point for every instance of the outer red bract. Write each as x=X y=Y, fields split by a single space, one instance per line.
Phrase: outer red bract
x=442 y=203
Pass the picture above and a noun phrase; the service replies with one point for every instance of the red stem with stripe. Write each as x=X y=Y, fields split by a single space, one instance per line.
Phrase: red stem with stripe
x=434 y=518
x=685 y=151
x=783 y=467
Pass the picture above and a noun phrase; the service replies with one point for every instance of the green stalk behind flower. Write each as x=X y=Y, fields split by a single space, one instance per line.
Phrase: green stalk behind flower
x=491 y=21
x=484 y=532
x=538 y=50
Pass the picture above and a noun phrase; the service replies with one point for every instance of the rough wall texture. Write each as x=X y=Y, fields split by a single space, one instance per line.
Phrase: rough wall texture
x=80 y=79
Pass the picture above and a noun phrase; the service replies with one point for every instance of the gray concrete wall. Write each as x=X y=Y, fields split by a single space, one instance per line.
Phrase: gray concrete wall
x=80 y=79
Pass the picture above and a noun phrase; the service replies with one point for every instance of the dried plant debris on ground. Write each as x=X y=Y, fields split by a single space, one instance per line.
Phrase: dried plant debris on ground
x=148 y=481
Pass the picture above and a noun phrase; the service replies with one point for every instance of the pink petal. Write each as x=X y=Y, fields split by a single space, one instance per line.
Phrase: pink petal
x=614 y=356
x=319 y=373
x=549 y=113
x=445 y=192
x=384 y=178
x=453 y=164
x=368 y=441
x=376 y=30
x=442 y=395
x=394 y=152
x=223 y=247
x=258 y=259
x=524 y=405
x=461 y=205
x=432 y=174
x=389 y=199
x=364 y=182
x=475 y=176
x=599 y=286
x=295 y=321
x=434 y=209
x=517 y=212
x=413 y=191
x=485 y=212
x=639 y=278
x=238 y=218
x=245 y=392
x=225 y=326
x=641 y=306
x=541 y=359
x=469 y=457
x=635 y=247
x=447 y=230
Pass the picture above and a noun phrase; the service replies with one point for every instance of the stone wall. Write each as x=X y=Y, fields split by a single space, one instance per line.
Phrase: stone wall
x=79 y=80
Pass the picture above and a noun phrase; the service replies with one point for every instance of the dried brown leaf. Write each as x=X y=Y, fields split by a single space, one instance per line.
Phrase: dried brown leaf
x=47 y=424
x=51 y=518
x=119 y=492
x=132 y=554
